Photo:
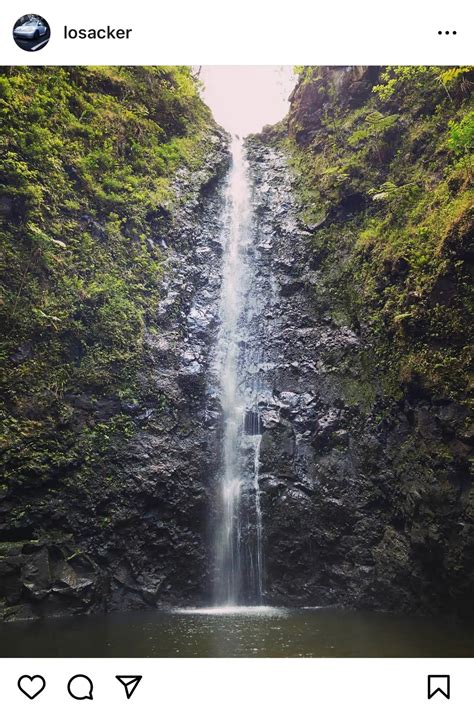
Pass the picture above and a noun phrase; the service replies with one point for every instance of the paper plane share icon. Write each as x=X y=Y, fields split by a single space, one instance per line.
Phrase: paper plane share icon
x=129 y=682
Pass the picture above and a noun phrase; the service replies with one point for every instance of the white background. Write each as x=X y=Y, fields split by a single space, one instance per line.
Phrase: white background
x=247 y=32
x=244 y=686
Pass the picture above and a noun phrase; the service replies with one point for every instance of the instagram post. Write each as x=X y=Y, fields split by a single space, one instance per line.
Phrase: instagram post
x=236 y=399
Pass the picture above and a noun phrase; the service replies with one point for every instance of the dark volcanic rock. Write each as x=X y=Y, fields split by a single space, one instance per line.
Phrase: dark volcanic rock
x=364 y=504
x=135 y=534
x=352 y=84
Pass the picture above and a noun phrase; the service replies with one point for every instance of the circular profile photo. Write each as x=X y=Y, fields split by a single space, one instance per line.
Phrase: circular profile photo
x=31 y=32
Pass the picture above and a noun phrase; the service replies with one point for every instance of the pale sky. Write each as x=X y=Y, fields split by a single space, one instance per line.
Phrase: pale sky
x=245 y=98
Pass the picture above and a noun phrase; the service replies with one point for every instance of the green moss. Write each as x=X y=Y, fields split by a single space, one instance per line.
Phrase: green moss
x=88 y=157
x=359 y=392
x=388 y=185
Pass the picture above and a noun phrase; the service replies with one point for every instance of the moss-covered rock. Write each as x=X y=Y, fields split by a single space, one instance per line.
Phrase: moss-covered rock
x=101 y=171
x=383 y=158
x=374 y=507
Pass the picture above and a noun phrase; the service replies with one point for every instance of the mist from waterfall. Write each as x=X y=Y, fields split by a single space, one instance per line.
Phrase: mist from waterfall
x=238 y=535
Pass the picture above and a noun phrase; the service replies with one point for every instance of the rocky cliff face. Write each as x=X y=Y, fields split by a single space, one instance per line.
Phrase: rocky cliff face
x=360 y=347
x=357 y=509
x=366 y=494
x=135 y=533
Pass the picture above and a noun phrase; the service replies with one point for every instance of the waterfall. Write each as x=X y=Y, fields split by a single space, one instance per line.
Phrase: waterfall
x=258 y=517
x=238 y=536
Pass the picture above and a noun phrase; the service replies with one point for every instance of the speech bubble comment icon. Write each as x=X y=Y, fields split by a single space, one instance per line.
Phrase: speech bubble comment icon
x=80 y=687
x=439 y=684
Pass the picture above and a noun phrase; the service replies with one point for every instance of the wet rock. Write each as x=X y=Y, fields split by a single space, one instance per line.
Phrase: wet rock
x=357 y=510
x=351 y=86
x=133 y=533
x=36 y=573
x=277 y=449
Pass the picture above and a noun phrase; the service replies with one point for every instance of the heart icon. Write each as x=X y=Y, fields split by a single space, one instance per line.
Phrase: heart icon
x=31 y=685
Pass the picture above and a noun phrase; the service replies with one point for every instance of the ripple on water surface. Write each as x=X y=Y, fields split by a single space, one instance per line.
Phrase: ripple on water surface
x=238 y=632
x=233 y=611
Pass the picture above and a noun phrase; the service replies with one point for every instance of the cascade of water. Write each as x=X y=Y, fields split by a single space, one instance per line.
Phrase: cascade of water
x=238 y=539
x=258 y=518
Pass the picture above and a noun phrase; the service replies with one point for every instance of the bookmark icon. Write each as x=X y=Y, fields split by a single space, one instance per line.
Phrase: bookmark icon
x=439 y=684
x=129 y=682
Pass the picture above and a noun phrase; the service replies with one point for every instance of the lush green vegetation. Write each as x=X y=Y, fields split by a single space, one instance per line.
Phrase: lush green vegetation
x=384 y=165
x=87 y=161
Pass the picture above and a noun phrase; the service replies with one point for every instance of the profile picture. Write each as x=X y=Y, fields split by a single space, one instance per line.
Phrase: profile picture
x=31 y=32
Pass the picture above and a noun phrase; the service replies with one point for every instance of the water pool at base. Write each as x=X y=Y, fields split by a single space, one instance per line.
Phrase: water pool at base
x=240 y=632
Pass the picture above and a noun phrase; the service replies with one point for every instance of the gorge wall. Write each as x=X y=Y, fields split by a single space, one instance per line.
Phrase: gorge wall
x=111 y=203
x=365 y=465
x=362 y=265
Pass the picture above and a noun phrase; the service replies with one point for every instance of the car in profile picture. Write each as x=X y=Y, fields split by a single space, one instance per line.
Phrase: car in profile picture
x=31 y=32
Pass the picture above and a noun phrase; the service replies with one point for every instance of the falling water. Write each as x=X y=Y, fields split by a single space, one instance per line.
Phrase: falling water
x=258 y=516
x=238 y=540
